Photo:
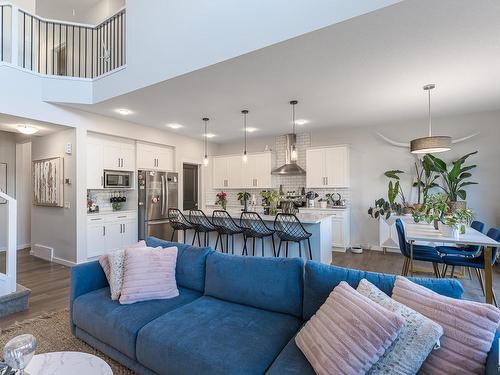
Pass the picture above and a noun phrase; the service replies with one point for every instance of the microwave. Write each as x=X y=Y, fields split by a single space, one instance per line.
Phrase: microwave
x=114 y=180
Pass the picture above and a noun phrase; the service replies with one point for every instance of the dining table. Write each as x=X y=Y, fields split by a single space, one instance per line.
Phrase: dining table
x=427 y=233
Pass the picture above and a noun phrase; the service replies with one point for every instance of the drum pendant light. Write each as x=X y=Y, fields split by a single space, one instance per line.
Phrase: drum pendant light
x=431 y=144
x=245 y=113
x=205 y=159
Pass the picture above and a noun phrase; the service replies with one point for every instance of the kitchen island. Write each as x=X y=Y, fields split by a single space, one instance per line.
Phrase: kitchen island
x=318 y=224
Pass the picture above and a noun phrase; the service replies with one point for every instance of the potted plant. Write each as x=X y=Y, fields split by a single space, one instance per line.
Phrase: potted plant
x=221 y=199
x=449 y=226
x=433 y=210
x=425 y=180
x=454 y=178
x=311 y=196
x=384 y=209
x=465 y=216
x=395 y=188
x=323 y=202
x=243 y=196
x=272 y=197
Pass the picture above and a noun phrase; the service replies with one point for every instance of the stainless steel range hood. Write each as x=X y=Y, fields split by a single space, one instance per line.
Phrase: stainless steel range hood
x=290 y=168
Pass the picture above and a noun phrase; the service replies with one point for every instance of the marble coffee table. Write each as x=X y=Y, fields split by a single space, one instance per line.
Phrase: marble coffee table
x=64 y=363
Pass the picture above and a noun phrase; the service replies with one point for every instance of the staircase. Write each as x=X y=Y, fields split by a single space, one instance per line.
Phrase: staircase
x=13 y=297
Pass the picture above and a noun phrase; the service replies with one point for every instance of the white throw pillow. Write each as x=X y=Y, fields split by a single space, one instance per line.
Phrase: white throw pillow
x=416 y=340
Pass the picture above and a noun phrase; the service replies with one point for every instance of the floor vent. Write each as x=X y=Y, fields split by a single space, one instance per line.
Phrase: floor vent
x=43 y=252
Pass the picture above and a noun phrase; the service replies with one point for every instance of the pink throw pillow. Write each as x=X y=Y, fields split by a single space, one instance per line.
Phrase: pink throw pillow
x=469 y=328
x=149 y=274
x=348 y=334
x=104 y=260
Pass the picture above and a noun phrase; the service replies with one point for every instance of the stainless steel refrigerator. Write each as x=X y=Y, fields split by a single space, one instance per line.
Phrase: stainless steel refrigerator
x=158 y=191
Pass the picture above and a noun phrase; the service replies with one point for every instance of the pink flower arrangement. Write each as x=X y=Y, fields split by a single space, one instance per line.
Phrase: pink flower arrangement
x=221 y=199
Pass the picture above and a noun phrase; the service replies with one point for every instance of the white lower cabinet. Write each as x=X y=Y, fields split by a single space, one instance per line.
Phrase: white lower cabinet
x=341 y=225
x=109 y=232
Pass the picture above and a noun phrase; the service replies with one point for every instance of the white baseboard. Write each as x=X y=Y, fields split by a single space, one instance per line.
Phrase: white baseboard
x=42 y=252
x=63 y=262
x=19 y=247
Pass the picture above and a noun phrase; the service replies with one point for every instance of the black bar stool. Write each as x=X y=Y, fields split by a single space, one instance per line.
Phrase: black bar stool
x=178 y=222
x=200 y=224
x=225 y=225
x=289 y=229
x=254 y=227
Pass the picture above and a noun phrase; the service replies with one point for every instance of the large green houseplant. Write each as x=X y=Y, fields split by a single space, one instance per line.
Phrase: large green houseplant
x=425 y=180
x=455 y=178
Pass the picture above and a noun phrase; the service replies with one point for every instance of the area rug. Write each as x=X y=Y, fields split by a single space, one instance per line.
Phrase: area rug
x=54 y=335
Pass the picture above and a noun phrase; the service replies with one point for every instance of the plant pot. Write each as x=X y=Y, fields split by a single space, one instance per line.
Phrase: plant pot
x=407 y=210
x=323 y=204
x=436 y=224
x=459 y=205
x=310 y=203
x=448 y=231
x=242 y=203
x=418 y=206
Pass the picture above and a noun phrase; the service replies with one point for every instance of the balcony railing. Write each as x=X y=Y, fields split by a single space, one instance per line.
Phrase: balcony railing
x=62 y=48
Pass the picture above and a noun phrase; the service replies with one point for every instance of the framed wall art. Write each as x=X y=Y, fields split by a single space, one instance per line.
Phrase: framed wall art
x=48 y=182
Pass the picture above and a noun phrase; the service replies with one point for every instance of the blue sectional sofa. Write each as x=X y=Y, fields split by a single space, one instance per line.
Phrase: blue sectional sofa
x=234 y=315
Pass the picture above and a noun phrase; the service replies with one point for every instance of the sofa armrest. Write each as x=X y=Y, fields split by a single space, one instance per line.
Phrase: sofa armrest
x=85 y=278
x=492 y=365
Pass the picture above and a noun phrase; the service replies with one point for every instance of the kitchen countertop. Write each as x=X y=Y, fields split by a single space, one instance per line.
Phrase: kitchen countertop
x=110 y=212
x=305 y=218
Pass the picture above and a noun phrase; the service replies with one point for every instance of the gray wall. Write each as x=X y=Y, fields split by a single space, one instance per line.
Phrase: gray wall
x=55 y=226
x=7 y=155
x=370 y=156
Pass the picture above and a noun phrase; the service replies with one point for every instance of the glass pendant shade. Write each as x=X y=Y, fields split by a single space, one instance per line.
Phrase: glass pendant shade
x=245 y=157
x=205 y=161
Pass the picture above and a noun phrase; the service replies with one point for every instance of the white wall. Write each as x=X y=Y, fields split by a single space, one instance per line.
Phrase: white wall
x=370 y=156
x=7 y=155
x=24 y=193
x=55 y=227
x=85 y=12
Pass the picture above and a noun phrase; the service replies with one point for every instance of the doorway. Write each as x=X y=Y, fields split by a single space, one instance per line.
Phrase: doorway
x=190 y=186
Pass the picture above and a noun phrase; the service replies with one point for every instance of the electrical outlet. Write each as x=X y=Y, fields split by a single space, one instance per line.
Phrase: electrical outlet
x=69 y=148
x=67 y=204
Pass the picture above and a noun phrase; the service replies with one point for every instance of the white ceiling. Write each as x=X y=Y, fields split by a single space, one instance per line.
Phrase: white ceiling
x=365 y=71
x=10 y=123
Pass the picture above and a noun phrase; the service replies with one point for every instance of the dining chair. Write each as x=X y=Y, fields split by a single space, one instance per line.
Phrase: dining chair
x=470 y=250
x=225 y=225
x=476 y=261
x=420 y=252
x=200 y=224
x=254 y=227
x=178 y=222
x=289 y=229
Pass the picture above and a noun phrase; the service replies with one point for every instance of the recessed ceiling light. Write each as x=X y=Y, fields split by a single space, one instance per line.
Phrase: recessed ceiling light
x=251 y=130
x=209 y=135
x=26 y=129
x=123 y=111
x=301 y=122
x=174 y=126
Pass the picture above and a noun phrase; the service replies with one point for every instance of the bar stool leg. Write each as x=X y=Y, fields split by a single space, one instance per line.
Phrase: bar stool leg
x=279 y=248
x=262 y=245
x=207 y=239
x=274 y=246
x=300 y=250
x=194 y=238
x=244 y=251
x=253 y=246
x=309 y=245
x=227 y=243
x=286 y=250
x=217 y=241
x=232 y=244
x=173 y=234
x=183 y=236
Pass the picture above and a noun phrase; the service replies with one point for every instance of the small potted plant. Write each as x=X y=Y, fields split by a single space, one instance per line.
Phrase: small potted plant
x=272 y=197
x=221 y=199
x=465 y=216
x=449 y=226
x=433 y=211
x=323 y=202
x=243 y=196
x=311 y=196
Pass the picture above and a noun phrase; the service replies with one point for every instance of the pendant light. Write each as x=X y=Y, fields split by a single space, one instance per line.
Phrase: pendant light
x=245 y=113
x=293 y=152
x=205 y=159
x=430 y=144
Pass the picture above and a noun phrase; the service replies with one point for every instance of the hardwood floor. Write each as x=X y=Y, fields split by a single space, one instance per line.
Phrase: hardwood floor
x=49 y=282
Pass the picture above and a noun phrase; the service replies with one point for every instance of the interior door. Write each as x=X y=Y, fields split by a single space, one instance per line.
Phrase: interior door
x=190 y=187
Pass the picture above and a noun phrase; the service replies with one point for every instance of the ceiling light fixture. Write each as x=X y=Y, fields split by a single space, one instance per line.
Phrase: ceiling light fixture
x=174 y=125
x=205 y=159
x=245 y=113
x=301 y=122
x=123 y=111
x=209 y=135
x=25 y=129
x=251 y=129
x=430 y=144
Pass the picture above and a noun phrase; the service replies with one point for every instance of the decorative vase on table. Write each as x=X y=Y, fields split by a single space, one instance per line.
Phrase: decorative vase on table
x=19 y=351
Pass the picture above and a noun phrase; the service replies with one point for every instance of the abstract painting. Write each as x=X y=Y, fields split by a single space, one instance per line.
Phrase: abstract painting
x=48 y=182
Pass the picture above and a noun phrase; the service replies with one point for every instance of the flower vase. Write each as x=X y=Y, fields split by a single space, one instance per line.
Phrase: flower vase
x=224 y=205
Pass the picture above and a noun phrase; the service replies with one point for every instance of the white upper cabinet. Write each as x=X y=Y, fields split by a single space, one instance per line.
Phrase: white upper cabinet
x=118 y=155
x=327 y=167
x=231 y=172
x=155 y=157
x=95 y=175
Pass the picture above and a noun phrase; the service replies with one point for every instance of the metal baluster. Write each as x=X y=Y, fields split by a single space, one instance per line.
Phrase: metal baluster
x=1 y=35
x=59 y=50
x=86 y=32
x=79 y=51
x=31 y=47
x=66 y=53
x=73 y=52
x=53 y=45
x=92 y=54
x=46 y=48
x=24 y=39
x=39 y=45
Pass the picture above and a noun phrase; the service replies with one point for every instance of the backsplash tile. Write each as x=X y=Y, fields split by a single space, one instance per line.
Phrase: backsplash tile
x=101 y=198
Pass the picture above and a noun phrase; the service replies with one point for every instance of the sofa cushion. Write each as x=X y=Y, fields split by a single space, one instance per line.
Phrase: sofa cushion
x=273 y=284
x=211 y=336
x=320 y=279
x=190 y=269
x=117 y=325
x=291 y=361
